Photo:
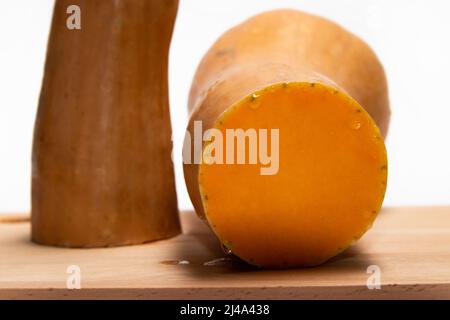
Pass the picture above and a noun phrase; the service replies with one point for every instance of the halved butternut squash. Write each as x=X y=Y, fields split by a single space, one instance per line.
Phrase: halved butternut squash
x=325 y=93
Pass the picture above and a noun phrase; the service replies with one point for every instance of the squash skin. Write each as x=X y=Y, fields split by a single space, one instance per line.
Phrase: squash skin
x=102 y=172
x=297 y=43
x=283 y=46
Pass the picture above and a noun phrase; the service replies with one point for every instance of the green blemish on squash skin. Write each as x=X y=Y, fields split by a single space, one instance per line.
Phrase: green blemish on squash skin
x=228 y=244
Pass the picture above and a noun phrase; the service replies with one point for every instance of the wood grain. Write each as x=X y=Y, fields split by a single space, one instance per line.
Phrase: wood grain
x=410 y=245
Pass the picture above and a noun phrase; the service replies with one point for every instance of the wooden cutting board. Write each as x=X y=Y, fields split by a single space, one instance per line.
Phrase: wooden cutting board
x=410 y=246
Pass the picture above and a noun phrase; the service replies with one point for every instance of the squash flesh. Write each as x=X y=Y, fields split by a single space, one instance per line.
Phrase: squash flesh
x=329 y=187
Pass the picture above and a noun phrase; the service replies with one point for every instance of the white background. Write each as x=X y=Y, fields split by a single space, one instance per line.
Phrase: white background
x=412 y=39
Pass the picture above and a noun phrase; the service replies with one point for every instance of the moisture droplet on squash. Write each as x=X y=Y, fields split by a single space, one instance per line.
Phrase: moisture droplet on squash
x=355 y=125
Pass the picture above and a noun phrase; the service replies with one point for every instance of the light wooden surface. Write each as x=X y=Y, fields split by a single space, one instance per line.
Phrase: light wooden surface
x=411 y=246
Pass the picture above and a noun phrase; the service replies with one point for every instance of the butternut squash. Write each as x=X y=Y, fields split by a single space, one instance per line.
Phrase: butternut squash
x=102 y=169
x=325 y=92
